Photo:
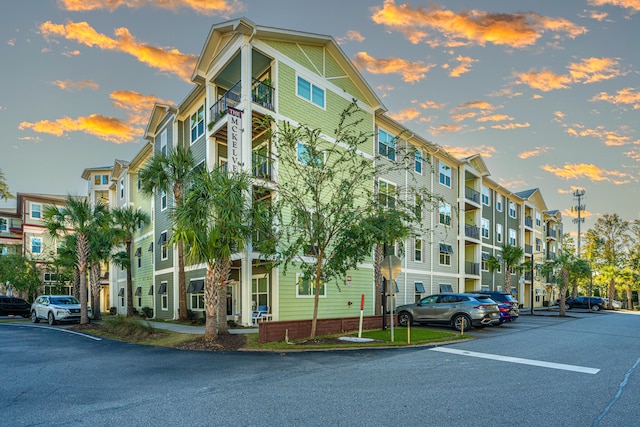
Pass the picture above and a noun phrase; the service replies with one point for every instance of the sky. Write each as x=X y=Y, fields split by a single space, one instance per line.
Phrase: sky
x=547 y=91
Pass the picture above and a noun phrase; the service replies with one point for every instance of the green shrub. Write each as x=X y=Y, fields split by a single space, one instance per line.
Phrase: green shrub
x=147 y=312
x=129 y=327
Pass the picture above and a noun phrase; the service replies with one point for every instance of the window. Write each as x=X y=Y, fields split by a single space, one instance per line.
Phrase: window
x=512 y=209
x=122 y=188
x=197 y=124
x=163 y=142
x=50 y=277
x=163 y=200
x=499 y=202
x=419 y=290
x=446 y=288
x=483 y=265
x=445 y=174
x=445 y=213
x=36 y=245
x=309 y=157
x=3 y=224
x=196 y=289
x=386 y=144
x=387 y=193
x=4 y=250
x=307 y=288
x=260 y=291
x=417 y=163
x=538 y=219
x=121 y=296
x=499 y=233
x=164 y=297
x=418 y=250
x=164 y=245
x=512 y=237
x=445 y=254
x=485 y=196
x=36 y=210
x=310 y=92
x=485 y=228
x=538 y=244
x=100 y=179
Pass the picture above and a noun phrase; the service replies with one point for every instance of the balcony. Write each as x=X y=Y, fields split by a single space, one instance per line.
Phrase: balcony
x=528 y=249
x=551 y=233
x=261 y=166
x=528 y=222
x=262 y=93
x=231 y=98
x=472 y=268
x=472 y=231
x=471 y=194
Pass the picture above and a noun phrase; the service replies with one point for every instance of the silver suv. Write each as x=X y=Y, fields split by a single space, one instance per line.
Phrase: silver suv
x=55 y=308
x=461 y=311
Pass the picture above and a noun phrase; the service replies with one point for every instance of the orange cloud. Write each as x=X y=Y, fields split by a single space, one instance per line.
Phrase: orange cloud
x=588 y=70
x=494 y=118
x=634 y=5
x=164 y=59
x=517 y=30
x=208 y=7
x=352 y=35
x=626 y=96
x=411 y=72
x=107 y=128
x=571 y=213
x=597 y=15
x=608 y=137
x=463 y=67
x=405 y=115
x=509 y=93
x=73 y=86
x=588 y=171
x=462 y=152
x=431 y=105
x=633 y=154
x=137 y=105
x=445 y=128
x=533 y=153
x=508 y=126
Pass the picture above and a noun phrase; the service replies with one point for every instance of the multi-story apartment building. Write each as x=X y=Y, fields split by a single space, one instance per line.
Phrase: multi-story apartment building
x=246 y=72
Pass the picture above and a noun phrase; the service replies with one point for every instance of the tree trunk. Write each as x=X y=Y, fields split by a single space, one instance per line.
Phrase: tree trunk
x=211 y=323
x=94 y=284
x=223 y=270
x=629 y=299
x=612 y=292
x=507 y=281
x=563 y=291
x=183 y=314
x=130 y=311
x=378 y=256
x=316 y=297
x=76 y=283
x=82 y=254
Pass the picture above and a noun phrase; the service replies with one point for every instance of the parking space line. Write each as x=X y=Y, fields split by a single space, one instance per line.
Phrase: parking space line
x=561 y=366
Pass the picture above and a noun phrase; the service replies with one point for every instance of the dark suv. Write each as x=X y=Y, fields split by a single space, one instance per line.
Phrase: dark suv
x=592 y=303
x=14 y=306
x=507 y=304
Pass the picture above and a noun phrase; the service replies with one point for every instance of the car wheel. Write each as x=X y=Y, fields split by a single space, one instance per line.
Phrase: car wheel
x=461 y=321
x=595 y=307
x=34 y=317
x=404 y=318
x=52 y=319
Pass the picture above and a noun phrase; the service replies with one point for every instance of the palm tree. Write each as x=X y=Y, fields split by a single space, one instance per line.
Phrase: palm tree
x=172 y=171
x=511 y=259
x=4 y=188
x=561 y=267
x=101 y=243
x=215 y=221
x=79 y=217
x=127 y=220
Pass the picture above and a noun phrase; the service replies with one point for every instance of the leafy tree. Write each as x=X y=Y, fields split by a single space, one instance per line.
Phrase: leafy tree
x=22 y=274
x=214 y=221
x=171 y=172
x=560 y=268
x=77 y=217
x=4 y=188
x=511 y=259
x=101 y=243
x=127 y=220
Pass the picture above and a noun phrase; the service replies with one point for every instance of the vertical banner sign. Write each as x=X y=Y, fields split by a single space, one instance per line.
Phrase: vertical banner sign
x=234 y=139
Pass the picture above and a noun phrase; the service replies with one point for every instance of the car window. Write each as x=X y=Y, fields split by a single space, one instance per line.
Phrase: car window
x=447 y=299
x=65 y=300
x=485 y=298
x=429 y=300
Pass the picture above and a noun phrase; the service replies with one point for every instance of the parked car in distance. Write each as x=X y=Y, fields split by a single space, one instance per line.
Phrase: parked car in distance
x=504 y=299
x=592 y=303
x=56 y=308
x=457 y=310
x=617 y=305
x=12 y=306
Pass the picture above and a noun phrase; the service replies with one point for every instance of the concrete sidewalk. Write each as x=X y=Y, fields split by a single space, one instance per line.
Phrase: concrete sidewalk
x=196 y=330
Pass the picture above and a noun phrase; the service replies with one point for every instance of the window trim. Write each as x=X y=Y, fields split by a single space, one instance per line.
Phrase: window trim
x=387 y=194
x=514 y=210
x=484 y=231
x=449 y=216
x=163 y=201
x=420 y=258
x=499 y=202
x=164 y=247
x=163 y=142
x=310 y=164
x=196 y=122
x=389 y=144
x=38 y=211
x=513 y=242
x=499 y=233
x=444 y=177
x=418 y=161
x=300 y=276
x=32 y=241
x=312 y=98
x=485 y=192
x=4 y=224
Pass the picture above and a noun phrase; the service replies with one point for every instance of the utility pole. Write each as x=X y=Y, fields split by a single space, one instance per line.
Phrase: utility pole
x=578 y=194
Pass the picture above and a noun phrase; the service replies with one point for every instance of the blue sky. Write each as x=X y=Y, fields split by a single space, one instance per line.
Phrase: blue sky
x=547 y=91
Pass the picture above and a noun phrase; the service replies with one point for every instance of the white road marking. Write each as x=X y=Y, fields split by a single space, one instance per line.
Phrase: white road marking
x=574 y=368
x=55 y=329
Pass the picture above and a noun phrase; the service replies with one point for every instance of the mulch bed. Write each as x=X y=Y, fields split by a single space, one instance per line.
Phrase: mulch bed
x=228 y=342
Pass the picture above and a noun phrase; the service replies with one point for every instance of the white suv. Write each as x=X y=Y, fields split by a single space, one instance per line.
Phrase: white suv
x=54 y=308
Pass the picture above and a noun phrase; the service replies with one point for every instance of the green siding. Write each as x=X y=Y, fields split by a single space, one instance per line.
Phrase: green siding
x=143 y=275
x=159 y=312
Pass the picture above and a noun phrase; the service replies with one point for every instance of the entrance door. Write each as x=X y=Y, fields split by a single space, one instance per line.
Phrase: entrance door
x=233 y=305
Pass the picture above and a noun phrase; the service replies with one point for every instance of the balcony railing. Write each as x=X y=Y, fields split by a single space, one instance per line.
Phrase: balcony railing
x=472 y=231
x=528 y=249
x=261 y=166
x=262 y=93
x=528 y=276
x=551 y=233
x=528 y=222
x=471 y=194
x=231 y=98
x=472 y=268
